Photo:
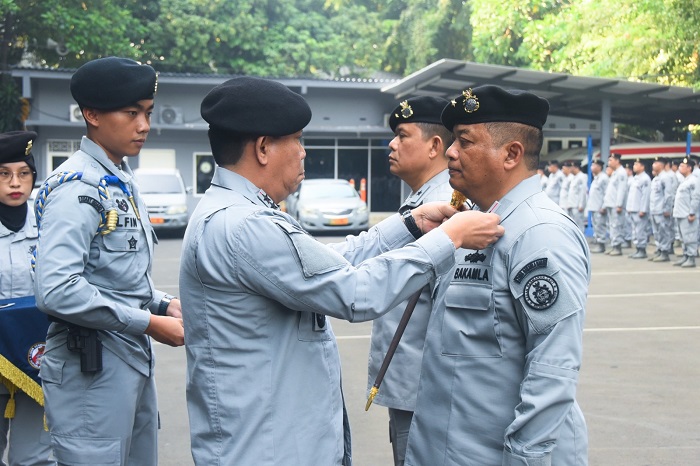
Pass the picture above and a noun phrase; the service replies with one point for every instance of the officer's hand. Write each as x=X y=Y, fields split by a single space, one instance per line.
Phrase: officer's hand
x=167 y=330
x=667 y=214
x=432 y=214
x=691 y=218
x=602 y=211
x=642 y=214
x=619 y=210
x=473 y=229
x=174 y=309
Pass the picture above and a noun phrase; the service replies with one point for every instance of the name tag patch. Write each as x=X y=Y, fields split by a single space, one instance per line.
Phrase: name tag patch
x=536 y=264
x=541 y=292
x=97 y=205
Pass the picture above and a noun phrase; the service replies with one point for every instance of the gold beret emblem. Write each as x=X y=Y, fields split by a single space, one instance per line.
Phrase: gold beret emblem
x=155 y=89
x=29 y=148
x=471 y=102
x=406 y=110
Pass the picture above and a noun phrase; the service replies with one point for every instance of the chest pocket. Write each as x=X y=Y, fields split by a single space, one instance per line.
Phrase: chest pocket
x=470 y=326
x=123 y=241
x=314 y=327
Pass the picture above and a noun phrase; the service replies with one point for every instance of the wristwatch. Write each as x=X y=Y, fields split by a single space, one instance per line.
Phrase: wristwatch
x=410 y=223
x=164 y=303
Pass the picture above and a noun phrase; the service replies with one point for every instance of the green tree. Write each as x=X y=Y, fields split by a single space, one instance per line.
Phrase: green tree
x=426 y=32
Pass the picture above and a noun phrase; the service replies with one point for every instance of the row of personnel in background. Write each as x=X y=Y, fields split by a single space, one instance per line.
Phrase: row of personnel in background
x=628 y=208
x=501 y=337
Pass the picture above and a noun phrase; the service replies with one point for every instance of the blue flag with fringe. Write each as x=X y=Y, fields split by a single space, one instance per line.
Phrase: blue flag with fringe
x=23 y=330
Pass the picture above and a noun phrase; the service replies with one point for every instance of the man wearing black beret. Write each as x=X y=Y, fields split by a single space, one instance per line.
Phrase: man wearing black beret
x=686 y=206
x=263 y=366
x=418 y=158
x=504 y=342
x=93 y=267
x=661 y=196
x=595 y=207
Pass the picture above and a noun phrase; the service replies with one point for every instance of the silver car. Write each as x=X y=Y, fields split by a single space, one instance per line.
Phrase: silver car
x=166 y=197
x=328 y=206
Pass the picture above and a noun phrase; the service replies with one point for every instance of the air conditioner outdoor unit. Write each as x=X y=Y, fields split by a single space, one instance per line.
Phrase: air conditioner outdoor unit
x=75 y=115
x=171 y=115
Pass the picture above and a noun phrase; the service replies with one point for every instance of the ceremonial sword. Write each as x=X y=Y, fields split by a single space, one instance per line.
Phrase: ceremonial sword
x=457 y=200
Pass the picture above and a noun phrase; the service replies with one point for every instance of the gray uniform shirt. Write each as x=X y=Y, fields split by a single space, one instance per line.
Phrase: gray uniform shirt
x=616 y=191
x=687 y=200
x=263 y=370
x=400 y=385
x=92 y=280
x=553 y=188
x=564 y=192
x=577 y=191
x=639 y=193
x=662 y=193
x=504 y=346
x=596 y=192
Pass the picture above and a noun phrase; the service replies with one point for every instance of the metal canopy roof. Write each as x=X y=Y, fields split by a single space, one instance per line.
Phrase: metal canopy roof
x=644 y=104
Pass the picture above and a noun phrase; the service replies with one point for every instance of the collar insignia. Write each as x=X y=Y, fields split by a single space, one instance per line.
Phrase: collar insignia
x=471 y=102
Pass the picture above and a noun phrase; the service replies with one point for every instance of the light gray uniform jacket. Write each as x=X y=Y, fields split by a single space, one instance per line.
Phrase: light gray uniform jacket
x=639 y=193
x=100 y=282
x=553 y=188
x=663 y=191
x=504 y=347
x=616 y=191
x=400 y=385
x=263 y=370
x=687 y=200
x=596 y=192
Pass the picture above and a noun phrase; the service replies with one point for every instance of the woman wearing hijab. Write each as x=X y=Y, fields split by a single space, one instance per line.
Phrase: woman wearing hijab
x=21 y=417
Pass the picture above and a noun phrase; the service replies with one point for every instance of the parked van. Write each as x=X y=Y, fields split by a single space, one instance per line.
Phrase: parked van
x=165 y=195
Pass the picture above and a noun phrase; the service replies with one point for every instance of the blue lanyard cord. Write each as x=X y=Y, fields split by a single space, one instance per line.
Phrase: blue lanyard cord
x=111 y=179
x=108 y=218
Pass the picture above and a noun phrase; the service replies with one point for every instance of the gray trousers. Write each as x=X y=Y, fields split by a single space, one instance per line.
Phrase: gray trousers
x=29 y=443
x=689 y=235
x=399 y=423
x=108 y=417
x=600 y=226
x=579 y=218
x=663 y=232
x=640 y=229
x=617 y=226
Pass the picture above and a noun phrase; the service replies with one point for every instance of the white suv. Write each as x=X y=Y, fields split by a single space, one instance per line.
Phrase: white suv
x=165 y=195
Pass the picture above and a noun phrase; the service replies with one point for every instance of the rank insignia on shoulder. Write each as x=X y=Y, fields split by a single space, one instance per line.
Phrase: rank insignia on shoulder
x=97 y=205
x=471 y=102
x=406 y=110
x=541 y=292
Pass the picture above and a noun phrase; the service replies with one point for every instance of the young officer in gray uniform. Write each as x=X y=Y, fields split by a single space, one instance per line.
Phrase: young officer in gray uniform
x=577 y=195
x=504 y=343
x=661 y=208
x=595 y=205
x=554 y=181
x=685 y=211
x=263 y=370
x=29 y=444
x=94 y=258
x=638 y=208
x=418 y=158
x=614 y=202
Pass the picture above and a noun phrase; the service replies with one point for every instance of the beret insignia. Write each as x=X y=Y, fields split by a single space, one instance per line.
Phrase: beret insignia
x=28 y=150
x=406 y=110
x=471 y=101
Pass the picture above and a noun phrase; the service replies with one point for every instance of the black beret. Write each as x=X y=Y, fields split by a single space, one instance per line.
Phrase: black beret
x=486 y=104
x=616 y=156
x=16 y=146
x=112 y=82
x=255 y=106
x=423 y=109
x=661 y=159
x=599 y=162
x=688 y=161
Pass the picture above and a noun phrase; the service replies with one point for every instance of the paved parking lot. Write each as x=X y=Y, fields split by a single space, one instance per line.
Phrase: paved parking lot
x=638 y=387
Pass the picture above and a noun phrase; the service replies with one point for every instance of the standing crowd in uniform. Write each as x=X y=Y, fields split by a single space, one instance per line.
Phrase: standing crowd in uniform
x=488 y=370
x=627 y=207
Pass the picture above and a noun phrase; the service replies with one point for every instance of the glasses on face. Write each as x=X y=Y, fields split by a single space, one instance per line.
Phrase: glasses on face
x=23 y=175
